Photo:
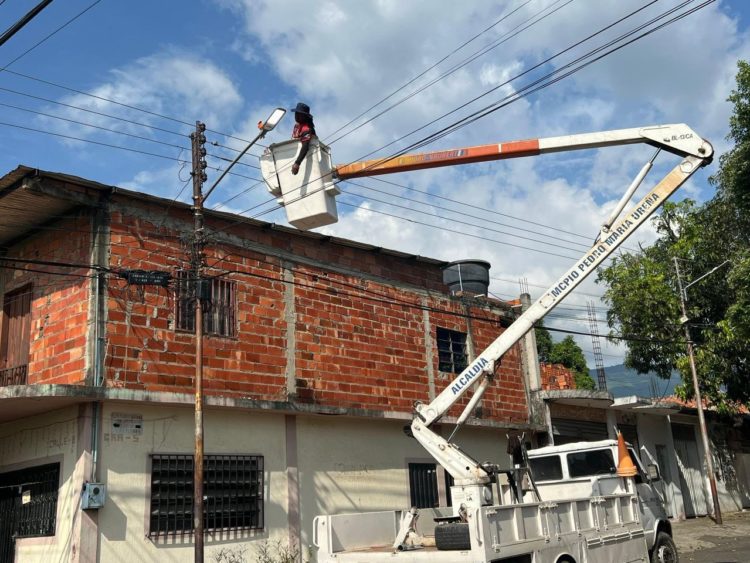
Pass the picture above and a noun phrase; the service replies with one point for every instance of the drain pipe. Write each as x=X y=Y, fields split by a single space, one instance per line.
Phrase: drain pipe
x=100 y=239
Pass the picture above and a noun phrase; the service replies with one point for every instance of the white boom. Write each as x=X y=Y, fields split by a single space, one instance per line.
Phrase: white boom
x=470 y=477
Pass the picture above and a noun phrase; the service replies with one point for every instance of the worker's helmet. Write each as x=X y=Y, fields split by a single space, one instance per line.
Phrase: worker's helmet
x=302 y=108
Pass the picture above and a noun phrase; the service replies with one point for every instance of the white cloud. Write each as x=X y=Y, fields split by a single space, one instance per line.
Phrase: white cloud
x=342 y=57
x=171 y=83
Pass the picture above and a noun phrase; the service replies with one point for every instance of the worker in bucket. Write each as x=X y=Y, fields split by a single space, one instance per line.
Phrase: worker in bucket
x=304 y=130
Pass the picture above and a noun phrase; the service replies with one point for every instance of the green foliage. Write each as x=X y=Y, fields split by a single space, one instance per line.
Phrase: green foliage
x=569 y=354
x=584 y=381
x=642 y=289
x=543 y=342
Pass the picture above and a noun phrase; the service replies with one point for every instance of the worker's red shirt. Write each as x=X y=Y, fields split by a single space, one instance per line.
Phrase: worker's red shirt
x=303 y=132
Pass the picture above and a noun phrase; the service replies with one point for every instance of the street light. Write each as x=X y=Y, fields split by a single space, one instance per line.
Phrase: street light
x=265 y=127
x=698 y=401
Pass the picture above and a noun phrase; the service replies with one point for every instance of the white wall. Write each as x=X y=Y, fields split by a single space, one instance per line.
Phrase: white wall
x=38 y=440
x=125 y=468
x=354 y=465
x=656 y=430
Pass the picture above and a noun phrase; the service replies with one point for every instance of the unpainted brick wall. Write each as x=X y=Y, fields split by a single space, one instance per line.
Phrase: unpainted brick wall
x=59 y=305
x=358 y=343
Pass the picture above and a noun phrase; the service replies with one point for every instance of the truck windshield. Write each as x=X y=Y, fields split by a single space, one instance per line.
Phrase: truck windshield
x=588 y=464
x=546 y=468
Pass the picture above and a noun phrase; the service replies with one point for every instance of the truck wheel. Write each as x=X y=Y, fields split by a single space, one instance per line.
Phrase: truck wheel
x=453 y=536
x=665 y=551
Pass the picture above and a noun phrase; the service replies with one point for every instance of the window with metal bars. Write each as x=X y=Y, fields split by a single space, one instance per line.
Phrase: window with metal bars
x=28 y=505
x=232 y=485
x=423 y=485
x=218 y=297
x=451 y=345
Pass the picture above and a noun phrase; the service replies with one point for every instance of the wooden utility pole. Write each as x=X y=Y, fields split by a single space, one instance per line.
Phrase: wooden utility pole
x=195 y=285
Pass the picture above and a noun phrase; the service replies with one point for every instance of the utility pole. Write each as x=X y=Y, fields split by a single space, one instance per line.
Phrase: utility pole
x=696 y=387
x=198 y=139
x=196 y=284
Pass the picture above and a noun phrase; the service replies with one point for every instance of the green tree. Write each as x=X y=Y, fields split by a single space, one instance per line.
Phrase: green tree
x=543 y=342
x=569 y=354
x=642 y=291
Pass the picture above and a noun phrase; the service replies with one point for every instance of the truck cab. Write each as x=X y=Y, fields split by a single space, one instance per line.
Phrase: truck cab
x=585 y=469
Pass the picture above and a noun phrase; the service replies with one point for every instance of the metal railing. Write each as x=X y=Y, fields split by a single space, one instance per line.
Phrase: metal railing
x=14 y=376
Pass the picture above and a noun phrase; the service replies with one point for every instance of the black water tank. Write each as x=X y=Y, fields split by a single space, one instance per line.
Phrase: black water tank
x=468 y=276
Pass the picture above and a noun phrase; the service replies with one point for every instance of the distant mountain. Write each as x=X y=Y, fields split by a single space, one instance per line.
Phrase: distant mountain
x=623 y=382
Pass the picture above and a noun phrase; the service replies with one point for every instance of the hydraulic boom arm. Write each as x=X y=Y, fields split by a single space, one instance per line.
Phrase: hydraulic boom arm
x=677 y=139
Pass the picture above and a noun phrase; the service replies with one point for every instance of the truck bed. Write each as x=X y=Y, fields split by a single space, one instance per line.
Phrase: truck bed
x=605 y=528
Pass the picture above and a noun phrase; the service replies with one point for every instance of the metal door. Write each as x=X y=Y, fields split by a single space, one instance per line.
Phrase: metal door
x=690 y=468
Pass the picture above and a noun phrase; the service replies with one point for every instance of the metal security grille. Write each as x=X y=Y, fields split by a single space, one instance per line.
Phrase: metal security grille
x=28 y=505
x=451 y=346
x=423 y=485
x=233 y=485
x=219 y=297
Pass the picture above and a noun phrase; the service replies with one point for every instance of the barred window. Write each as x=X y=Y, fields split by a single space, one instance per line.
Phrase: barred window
x=423 y=485
x=220 y=304
x=451 y=346
x=232 y=485
x=28 y=505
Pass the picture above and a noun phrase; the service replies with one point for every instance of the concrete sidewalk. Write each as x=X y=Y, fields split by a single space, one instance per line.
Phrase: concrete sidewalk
x=700 y=540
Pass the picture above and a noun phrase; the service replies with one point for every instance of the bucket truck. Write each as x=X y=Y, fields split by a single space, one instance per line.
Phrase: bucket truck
x=487 y=524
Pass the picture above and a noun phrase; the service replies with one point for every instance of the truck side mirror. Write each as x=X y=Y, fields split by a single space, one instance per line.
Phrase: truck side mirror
x=653 y=472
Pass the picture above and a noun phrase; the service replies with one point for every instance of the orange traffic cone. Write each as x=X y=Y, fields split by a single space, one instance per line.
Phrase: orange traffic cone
x=625 y=465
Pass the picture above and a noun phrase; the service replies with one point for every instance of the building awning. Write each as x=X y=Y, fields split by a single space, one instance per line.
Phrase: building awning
x=644 y=405
x=577 y=397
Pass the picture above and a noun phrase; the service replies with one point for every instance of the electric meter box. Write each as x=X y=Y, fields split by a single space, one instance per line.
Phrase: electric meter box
x=309 y=197
x=93 y=496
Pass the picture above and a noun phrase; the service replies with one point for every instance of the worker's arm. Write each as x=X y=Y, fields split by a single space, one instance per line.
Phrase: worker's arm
x=305 y=138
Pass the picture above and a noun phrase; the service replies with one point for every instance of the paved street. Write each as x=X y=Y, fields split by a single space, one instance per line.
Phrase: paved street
x=701 y=541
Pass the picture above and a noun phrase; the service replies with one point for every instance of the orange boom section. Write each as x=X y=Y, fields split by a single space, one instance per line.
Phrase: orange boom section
x=451 y=157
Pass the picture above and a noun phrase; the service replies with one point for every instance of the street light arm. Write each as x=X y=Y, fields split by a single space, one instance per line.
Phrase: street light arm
x=265 y=127
x=724 y=263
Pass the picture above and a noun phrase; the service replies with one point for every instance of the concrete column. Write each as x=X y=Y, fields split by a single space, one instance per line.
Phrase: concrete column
x=290 y=317
x=85 y=529
x=292 y=476
x=530 y=358
x=429 y=350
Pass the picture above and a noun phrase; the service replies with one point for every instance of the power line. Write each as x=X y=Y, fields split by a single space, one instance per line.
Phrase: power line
x=523 y=92
x=102 y=114
x=424 y=72
x=460 y=222
x=120 y=147
x=506 y=37
x=16 y=27
x=462 y=214
x=529 y=88
x=63 y=26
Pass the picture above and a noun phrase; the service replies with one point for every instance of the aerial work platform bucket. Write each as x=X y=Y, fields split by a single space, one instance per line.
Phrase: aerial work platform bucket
x=309 y=197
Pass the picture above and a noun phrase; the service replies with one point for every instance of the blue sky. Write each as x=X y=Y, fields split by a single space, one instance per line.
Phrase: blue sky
x=229 y=62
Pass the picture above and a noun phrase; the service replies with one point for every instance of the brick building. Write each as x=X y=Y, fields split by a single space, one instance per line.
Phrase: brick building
x=316 y=350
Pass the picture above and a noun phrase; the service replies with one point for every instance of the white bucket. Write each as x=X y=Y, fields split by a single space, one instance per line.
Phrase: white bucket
x=308 y=197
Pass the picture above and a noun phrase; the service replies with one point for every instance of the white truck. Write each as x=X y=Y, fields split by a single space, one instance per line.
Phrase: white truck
x=588 y=469
x=491 y=518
